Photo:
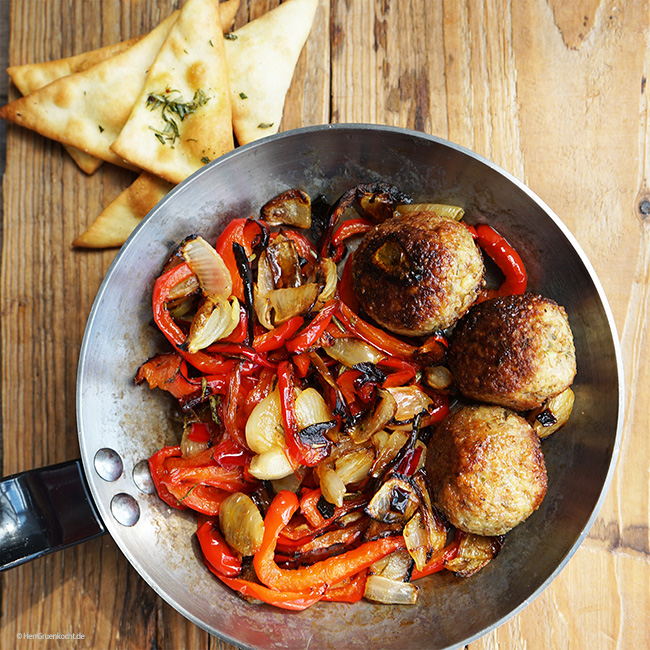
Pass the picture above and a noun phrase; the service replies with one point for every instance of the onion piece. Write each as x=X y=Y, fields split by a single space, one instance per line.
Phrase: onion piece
x=388 y=447
x=311 y=408
x=474 y=552
x=184 y=289
x=291 y=208
x=439 y=378
x=354 y=466
x=396 y=566
x=293 y=301
x=270 y=465
x=390 y=592
x=262 y=306
x=553 y=414
x=241 y=523
x=410 y=400
x=395 y=501
x=209 y=267
x=330 y=278
x=454 y=212
x=189 y=447
x=331 y=485
x=282 y=259
x=350 y=352
x=214 y=320
x=384 y=410
x=264 y=429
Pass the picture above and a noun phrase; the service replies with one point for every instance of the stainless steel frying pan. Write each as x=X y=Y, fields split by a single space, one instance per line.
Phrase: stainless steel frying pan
x=120 y=425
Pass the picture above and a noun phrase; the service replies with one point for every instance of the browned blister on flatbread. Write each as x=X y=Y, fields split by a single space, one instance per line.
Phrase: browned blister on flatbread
x=116 y=222
x=182 y=118
x=88 y=109
x=262 y=57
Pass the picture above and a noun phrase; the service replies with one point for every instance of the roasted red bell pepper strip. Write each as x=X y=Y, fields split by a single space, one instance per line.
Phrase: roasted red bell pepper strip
x=199 y=432
x=309 y=503
x=310 y=335
x=283 y=599
x=238 y=335
x=345 y=230
x=244 y=232
x=437 y=561
x=159 y=473
x=350 y=592
x=302 y=363
x=204 y=499
x=299 y=452
x=373 y=335
x=275 y=338
x=240 y=351
x=231 y=420
x=216 y=551
x=506 y=258
x=171 y=330
x=321 y=574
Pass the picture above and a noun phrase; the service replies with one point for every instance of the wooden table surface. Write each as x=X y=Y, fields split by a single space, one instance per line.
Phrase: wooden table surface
x=553 y=91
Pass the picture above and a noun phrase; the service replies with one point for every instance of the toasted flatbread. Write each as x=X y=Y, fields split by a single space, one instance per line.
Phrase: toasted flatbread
x=182 y=118
x=116 y=222
x=262 y=57
x=30 y=77
x=88 y=109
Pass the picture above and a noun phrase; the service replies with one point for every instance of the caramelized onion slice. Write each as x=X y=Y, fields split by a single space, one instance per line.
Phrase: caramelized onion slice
x=331 y=485
x=454 y=212
x=385 y=409
x=410 y=400
x=214 y=320
x=395 y=501
x=264 y=429
x=294 y=301
x=291 y=208
x=270 y=465
x=209 y=267
x=282 y=259
x=474 y=552
x=439 y=378
x=354 y=467
x=390 y=592
x=329 y=277
x=388 y=446
x=241 y=523
x=553 y=414
x=350 y=352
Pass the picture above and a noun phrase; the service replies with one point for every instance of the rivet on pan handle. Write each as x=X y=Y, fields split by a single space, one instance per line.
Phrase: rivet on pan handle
x=45 y=510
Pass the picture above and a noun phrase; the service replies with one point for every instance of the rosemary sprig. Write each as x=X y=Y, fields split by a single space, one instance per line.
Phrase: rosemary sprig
x=173 y=108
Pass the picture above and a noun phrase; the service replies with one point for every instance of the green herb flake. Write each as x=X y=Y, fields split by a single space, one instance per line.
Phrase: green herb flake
x=101 y=128
x=211 y=43
x=205 y=160
x=230 y=37
x=243 y=95
x=265 y=125
x=173 y=109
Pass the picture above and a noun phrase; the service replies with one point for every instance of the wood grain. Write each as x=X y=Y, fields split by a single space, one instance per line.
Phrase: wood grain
x=554 y=92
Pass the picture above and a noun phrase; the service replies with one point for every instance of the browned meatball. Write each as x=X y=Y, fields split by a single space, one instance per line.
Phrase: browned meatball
x=417 y=273
x=515 y=351
x=486 y=468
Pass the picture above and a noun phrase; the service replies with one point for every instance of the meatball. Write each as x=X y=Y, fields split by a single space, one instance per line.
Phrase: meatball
x=515 y=351
x=417 y=273
x=486 y=469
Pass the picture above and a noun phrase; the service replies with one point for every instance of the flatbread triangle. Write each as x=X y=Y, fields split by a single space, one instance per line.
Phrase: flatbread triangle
x=182 y=118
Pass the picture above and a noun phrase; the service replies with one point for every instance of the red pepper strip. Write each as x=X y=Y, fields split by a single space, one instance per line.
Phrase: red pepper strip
x=236 y=232
x=346 y=287
x=230 y=454
x=199 y=432
x=275 y=338
x=437 y=561
x=310 y=335
x=164 y=372
x=351 y=592
x=298 y=451
x=410 y=463
x=171 y=330
x=302 y=363
x=259 y=391
x=159 y=473
x=283 y=599
x=308 y=507
x=325 y=573
x=231 y=422
x=226 y=478
x=506 y=258
x=240 y=351
x=470 y=228
x=371 y=334
x=216 y=551
x=345 y=230
x=204 y=499
x=346 y=381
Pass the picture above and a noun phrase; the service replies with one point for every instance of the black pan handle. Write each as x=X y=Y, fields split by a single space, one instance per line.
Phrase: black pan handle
x=45 y=510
